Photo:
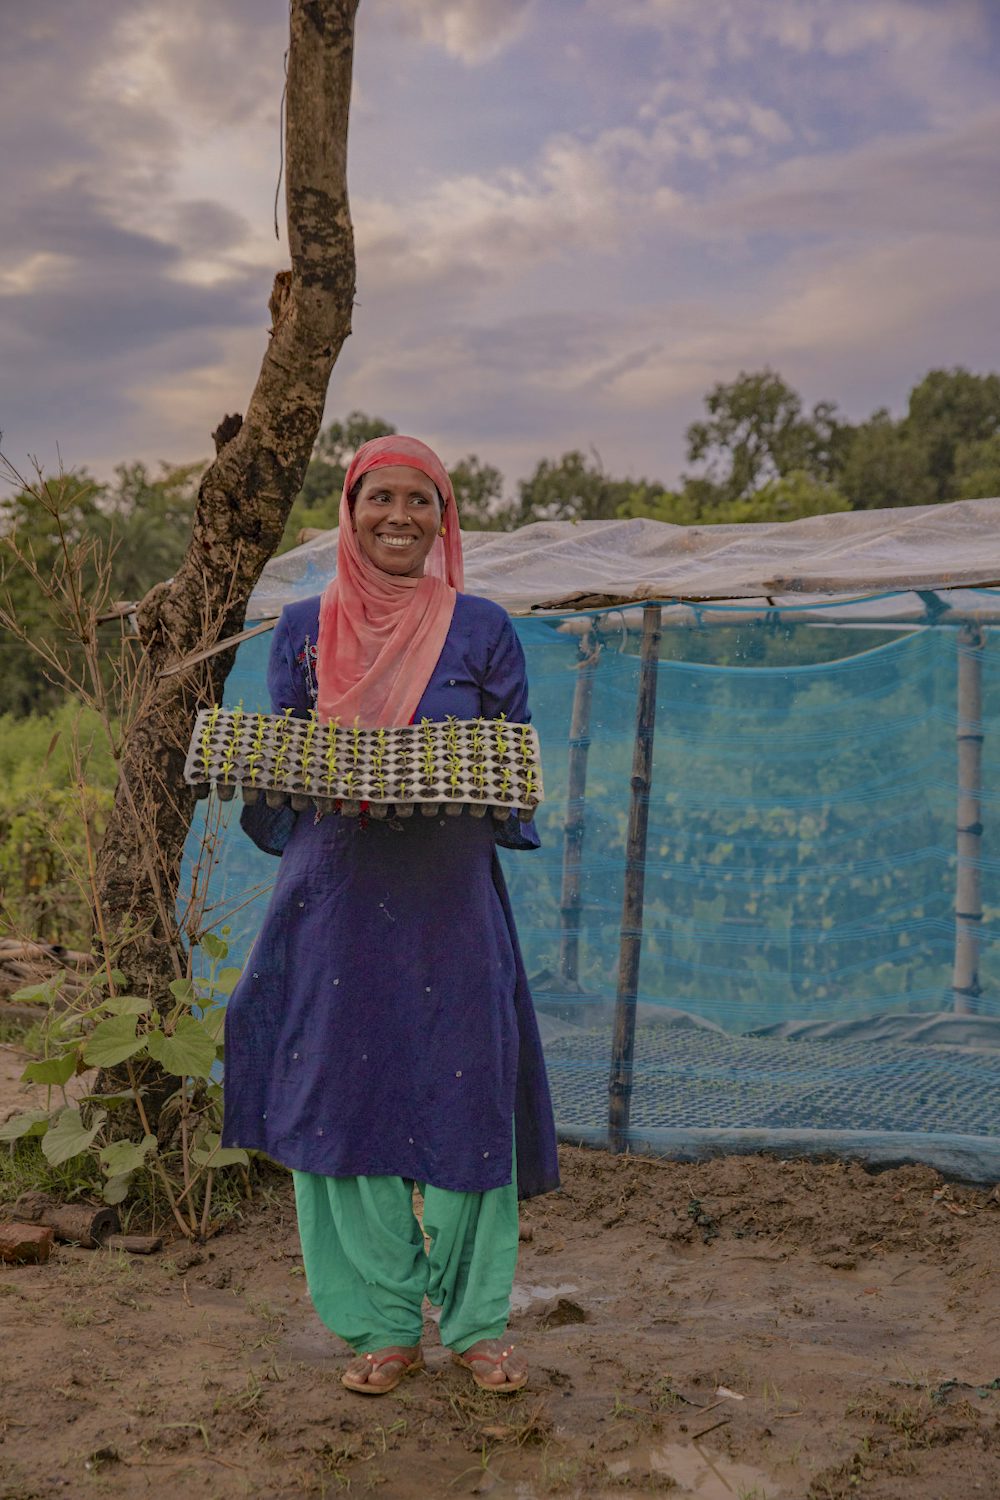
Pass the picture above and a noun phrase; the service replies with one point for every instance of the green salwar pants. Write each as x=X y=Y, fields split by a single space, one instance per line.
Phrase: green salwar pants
x=368 y=1272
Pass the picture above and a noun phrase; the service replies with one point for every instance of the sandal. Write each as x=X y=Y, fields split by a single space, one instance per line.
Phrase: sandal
x=494 y=1360
x=407 y=1360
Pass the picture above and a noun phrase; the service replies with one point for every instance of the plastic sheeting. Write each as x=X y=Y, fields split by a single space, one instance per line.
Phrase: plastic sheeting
x=584 y=564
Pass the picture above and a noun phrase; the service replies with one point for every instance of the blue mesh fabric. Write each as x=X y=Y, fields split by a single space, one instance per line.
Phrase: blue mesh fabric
x=799 y=931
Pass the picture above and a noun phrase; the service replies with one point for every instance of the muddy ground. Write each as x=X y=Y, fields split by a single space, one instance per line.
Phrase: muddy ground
x=755 y=1328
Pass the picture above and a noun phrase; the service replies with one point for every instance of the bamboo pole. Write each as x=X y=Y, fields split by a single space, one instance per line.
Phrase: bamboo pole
x=630 y=947
x=589 y=652
x=969 y=828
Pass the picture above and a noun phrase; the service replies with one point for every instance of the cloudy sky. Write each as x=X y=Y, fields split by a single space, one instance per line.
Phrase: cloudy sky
x=573 y=216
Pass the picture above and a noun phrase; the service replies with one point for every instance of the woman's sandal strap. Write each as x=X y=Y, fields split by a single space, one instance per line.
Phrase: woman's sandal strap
x=496 y=1360
x=393 y=1357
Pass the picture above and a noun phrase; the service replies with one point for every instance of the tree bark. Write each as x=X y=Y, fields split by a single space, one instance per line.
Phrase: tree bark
x=243 y=503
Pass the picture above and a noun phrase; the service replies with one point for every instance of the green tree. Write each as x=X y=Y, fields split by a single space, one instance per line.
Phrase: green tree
x=147 y=520
x=945 y=448
x=575 y=488
x=977 y=469
x=318 y=502
x=952 y=410
x=786 y=498
x=143 y=520
x=24 y=686
x=755 y=431
x=886 y=465
x=678 y=507
x=479 y=495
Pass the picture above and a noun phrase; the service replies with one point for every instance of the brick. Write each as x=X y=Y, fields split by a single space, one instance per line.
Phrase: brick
x=22 y=1244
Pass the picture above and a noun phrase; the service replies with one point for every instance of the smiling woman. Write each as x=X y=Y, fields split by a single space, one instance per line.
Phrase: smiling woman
x=397 y=515
x=383 y=1032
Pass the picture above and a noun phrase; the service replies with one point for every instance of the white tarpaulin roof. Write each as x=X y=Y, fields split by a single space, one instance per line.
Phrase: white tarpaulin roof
x=572 y=565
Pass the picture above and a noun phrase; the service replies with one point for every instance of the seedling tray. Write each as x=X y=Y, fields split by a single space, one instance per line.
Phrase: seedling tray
x=474 y=765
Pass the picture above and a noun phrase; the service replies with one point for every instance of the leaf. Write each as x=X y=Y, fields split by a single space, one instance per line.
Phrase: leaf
x=51 y=1069
x=116 y=1188
x=118 y=978
x=67 y=1027
x=189 y=1051
x=214 y=946
x=69 y=1137
x=182 y=989
x=222 y=1156
x=123 y=1157
x=112 y=1042
x=226 y=980
x=40 y=994
x=214 y=1019
x=213 y=1155
x=33 y=1122
x=127 y=1005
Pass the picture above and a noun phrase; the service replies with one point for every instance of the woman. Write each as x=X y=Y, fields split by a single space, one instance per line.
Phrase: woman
x=382 y=1032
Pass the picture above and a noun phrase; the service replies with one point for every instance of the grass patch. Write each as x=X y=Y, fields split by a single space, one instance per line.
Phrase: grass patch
x=24 y=1169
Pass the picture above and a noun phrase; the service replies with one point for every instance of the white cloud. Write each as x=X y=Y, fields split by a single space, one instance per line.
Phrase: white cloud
x=905 y=305
x=836 y=27
x=474 y=31
x=578 y=196
x=882 y=188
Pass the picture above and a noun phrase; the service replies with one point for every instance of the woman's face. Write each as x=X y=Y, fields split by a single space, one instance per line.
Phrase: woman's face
x=396 y=517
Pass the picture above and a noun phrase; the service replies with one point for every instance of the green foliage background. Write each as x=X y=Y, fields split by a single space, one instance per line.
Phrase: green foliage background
x=41 y=826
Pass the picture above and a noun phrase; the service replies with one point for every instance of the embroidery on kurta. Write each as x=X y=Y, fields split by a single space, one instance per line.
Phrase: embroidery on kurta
x=306 y=659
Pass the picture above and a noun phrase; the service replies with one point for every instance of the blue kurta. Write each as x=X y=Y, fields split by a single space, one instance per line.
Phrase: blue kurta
x=383 y=1023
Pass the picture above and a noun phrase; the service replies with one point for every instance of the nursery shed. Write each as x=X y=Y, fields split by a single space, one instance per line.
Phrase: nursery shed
x=766 y=910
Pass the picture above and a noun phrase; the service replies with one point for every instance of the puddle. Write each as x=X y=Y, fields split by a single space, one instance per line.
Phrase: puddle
x=522 y=1297
x=701 y=1473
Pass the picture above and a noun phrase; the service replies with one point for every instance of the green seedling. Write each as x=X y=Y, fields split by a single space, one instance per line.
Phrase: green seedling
x=330 y=755
x=233 y=741
x=427 y=754
x=378 y=761
x=477 y=740
x=281 y=751
x=308 y=745
x=526 y=748
x=256 y=748
x=500 y=734
x=206 y=736
x=355 y=743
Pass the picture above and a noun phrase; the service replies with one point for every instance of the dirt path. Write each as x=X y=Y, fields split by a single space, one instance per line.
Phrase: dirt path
x=748 y=1327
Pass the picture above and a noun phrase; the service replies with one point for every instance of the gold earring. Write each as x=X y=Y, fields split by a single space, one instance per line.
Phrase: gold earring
x=444 y=530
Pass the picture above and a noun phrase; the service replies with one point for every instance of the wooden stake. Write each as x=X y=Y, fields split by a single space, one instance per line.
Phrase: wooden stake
x=630 y=947
x=576 y=788
x=969 y=828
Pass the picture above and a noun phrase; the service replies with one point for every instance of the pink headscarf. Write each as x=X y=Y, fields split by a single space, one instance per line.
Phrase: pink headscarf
x=380 y=636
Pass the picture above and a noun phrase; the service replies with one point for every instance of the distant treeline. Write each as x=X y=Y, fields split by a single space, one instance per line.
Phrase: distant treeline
x=757 y=454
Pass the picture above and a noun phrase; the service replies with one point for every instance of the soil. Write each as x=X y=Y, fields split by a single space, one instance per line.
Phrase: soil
x=746 y=1327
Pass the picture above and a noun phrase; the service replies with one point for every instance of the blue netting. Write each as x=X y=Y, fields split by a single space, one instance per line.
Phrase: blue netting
x=799 y=930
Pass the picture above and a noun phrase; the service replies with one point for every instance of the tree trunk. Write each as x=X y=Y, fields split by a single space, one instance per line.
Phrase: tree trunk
x=243 y=503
